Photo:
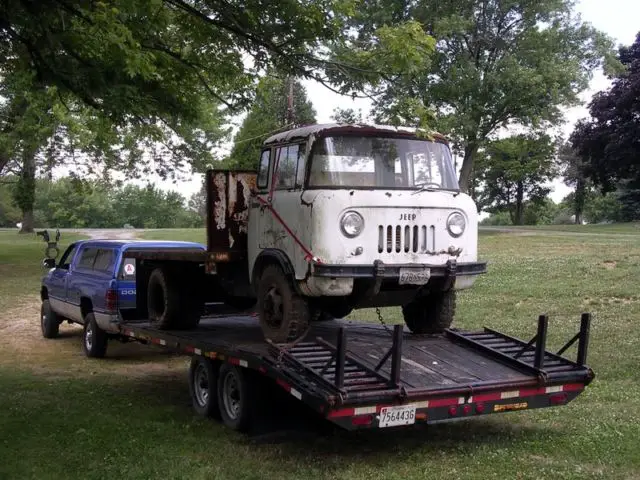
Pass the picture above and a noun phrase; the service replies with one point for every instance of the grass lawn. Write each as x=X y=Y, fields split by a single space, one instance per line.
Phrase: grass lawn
x=128 y=416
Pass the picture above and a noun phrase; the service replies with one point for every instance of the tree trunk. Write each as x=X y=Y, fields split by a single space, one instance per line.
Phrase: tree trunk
x=467 y=166
x=519 y=217
x=26 y=190
x=580 y=197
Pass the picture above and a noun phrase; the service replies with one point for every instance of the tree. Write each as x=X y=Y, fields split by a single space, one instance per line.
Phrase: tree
x=497 y=63
x=573 y=172
x=608 y=142
x=269 y=114
x=513 y=170
x=346 y=115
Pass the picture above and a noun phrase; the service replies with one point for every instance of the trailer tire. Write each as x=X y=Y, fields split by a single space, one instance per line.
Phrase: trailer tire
x=237 y=397
x=49 y=321
x=284 y=315
x=203 y=386
x=94 y=339
x=431 y=314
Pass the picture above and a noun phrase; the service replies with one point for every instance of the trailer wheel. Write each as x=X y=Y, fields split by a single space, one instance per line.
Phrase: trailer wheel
x=94 y=339
x=431 y=314
x=284 y=315
x=203 y=386
x=237 y=397
x=49 y=321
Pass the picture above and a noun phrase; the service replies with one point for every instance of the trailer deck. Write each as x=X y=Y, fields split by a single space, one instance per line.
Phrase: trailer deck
x=361 y=375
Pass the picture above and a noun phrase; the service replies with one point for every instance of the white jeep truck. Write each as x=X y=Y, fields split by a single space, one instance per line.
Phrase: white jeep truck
x=338 y=217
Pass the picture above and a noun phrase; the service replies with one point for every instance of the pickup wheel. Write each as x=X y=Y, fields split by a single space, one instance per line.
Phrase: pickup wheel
x=284 y=315
x=172 y=302
x=203 y=386
x=94 y=339
x=237 y=397
x=49 y=321
x=432 y=313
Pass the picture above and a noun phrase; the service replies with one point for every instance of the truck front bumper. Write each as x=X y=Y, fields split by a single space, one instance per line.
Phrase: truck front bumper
x=381 y=270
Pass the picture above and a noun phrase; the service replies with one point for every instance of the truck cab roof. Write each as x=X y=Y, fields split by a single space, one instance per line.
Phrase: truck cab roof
x=151 y=244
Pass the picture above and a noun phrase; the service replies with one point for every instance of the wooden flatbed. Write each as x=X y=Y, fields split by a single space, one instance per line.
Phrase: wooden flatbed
x=362 y=375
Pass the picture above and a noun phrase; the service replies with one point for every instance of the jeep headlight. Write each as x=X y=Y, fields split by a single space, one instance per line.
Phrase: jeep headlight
x=456 y=224
x=351 y=224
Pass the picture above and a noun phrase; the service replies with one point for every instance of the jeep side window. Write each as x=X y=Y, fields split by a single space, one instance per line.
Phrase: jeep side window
x=104 y=260
x=263 y=170
x=287 y=166
x=87 y=258
x=301 y=165
x=67 y=257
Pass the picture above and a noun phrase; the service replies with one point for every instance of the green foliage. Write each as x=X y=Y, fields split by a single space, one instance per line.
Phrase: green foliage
x=346 y=115
x=497 y=63
x=512 y=171
x=268 y=114
x=9 y=214
x=75 y=203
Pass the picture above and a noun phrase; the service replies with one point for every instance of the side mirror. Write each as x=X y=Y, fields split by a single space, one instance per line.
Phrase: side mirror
x=49 y=263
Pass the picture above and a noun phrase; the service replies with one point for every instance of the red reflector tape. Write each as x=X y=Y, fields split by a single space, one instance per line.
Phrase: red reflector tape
x=283 y=384
x=189 y=349
x=344 y=412
x=234 y=361
x=573 y=387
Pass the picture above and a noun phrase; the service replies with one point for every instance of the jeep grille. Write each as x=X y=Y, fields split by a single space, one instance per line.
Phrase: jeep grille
x=405 y=238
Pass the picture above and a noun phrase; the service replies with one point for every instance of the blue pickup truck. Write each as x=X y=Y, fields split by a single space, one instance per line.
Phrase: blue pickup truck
x=94 y=285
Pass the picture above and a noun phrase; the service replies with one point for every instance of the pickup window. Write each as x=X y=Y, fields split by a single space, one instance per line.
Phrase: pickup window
x=105 y=259
x=87 y=257
x=67 y=257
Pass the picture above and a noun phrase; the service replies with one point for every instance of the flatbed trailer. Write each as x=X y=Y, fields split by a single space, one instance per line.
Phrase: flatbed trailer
x=360 y=375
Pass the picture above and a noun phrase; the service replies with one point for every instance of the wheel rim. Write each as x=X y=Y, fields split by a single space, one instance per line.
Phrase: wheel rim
x=231 y=397
x=273 y=308
x=201 y=385
x=88 y=337
x=43 y=318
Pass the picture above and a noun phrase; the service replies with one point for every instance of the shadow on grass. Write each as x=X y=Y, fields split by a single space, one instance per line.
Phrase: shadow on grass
x=300 y=432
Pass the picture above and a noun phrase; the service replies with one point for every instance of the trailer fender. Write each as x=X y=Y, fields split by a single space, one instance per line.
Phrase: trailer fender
x=272 y=256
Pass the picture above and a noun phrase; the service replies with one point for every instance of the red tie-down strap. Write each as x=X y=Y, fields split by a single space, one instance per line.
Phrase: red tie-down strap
x=308 y=254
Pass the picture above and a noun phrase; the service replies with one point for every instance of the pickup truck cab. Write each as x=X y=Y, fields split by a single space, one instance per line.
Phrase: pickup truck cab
x=94 y=285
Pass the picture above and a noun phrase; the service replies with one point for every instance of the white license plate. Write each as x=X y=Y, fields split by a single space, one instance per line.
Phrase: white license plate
x=394 y=416
x=414 y=276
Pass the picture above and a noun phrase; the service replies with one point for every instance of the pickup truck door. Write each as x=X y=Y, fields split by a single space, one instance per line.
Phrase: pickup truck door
x=82 y=281
x=58 y=282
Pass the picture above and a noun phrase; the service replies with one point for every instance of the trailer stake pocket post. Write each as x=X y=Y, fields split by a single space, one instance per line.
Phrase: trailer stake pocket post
x=361 y=375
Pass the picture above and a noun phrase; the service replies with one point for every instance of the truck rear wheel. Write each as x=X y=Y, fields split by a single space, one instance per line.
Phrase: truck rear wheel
x=284 y=315
x=432 y=313
x=49 y=321
x=237 y=397
x=203 y=386
x=94 y=339
x=171 y=302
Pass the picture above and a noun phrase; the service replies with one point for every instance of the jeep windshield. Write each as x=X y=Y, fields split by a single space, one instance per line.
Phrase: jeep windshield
x=381 y=162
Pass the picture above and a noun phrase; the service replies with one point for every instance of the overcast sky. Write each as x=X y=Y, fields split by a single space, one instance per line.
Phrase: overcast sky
x=617 y=18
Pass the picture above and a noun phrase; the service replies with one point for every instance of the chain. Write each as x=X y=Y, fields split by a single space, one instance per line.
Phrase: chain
x=382 y=322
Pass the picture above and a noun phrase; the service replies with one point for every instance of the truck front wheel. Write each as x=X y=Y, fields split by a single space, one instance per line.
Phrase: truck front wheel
x=49 y=321
x=432 y=313
x=284 y=315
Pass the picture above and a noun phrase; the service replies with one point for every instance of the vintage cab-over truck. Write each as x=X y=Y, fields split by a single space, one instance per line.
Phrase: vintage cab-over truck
x=336 y=217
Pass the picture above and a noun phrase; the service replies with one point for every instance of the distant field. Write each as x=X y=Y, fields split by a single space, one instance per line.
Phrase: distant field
x=128 y=416
x=182 y=234
x=628 y=228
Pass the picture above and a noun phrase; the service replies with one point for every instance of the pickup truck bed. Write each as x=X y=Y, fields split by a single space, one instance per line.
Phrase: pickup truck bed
x=350 y=371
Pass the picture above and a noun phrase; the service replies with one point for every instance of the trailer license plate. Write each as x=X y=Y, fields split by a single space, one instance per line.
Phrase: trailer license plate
x=393 y=416
x=413 y=276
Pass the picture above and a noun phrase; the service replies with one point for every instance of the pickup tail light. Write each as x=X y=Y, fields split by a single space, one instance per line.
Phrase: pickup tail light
x=111 y=299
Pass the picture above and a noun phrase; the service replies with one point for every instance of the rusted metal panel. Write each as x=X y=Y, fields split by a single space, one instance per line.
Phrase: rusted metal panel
x=228 y=200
